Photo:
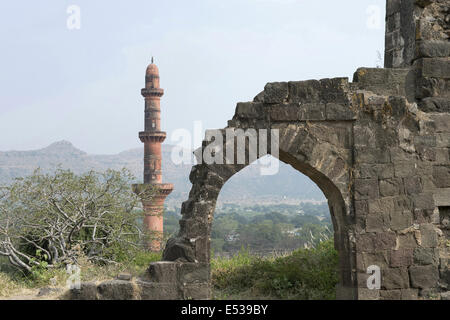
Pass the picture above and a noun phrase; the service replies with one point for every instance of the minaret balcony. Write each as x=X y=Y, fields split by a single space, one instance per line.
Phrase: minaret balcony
x=152 y=92
x=152 y=136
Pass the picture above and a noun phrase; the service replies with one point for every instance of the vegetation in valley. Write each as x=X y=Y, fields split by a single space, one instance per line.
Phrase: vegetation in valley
x=94 y=221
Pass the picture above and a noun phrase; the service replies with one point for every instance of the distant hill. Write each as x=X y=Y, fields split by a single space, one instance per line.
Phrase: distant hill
x=246 y=187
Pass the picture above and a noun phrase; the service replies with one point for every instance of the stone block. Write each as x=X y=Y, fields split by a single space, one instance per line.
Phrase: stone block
x=366 y=155
x=87 y=291
x=401 y=258
x=304 y=91
x=382 y=81
x=432 y=49
x=423 y=277
x=377 y=222
x=276 y=92
x=312 y=111
x=428 y=236
x=390 y=294
x=249 y=110
x=370 y=242
x=394 y=278
x=424 y=201
x=163 y=271
x=434 y=104
x=403 y=203
x=284 y=112
x=368 y=294
x=393 y=7
x=401 y=219
x=391 y=187
x=200 y=291
x=366 y=189
x=434 y=67
x=124 y=276
x=440 y=122
x=158 y=291
x=367 y=259
x=339 y=112
x=116 y=290
x=413 y=185
x=334 y=90
x=383 y=205
x=436 y=88
x=405 y=169
x=409 y=294
x=193 y=273
x=426 y=256
x=407 y=241
x=375 y=171
x=441 y=176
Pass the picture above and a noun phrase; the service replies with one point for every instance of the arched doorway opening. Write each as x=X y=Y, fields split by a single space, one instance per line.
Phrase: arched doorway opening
x=301 y=147
x=272 y=237
x=267 y=214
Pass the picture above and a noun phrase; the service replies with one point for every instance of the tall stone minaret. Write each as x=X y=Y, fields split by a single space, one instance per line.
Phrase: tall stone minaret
x=153 y=192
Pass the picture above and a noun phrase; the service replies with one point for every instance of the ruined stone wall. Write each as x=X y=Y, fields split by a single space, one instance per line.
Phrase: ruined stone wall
x=379 y=149
x=417 y=36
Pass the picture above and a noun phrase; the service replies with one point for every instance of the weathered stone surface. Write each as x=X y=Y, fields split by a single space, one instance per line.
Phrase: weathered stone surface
x=249 y=110
x=433 y=48
x=394 y=278
x=401 y=219
x=199 y=291
x=366 y=189
x=435 y=104
x=428 y=236
x=178 y=250
x=312 y=112
x=124 y=276
x=423 y=276
x=163 y=271
x=87 y=291
x=390 y=294
x=371 y=242
x=336 y=111
x=189 y=273
x=116 y=290
x=409 y=294
x=434 y=67
x=426 y=256
x=391 y=187
x=382 y=81
x=401 y=258
x=158 y=291
x=276 y=92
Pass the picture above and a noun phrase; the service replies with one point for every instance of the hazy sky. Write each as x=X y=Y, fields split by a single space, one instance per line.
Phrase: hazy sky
x=84 y=85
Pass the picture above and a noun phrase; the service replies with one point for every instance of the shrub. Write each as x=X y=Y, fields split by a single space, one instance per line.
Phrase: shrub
x=306 y=274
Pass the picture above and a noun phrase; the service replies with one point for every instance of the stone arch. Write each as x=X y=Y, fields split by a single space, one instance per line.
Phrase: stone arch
x=310 y=148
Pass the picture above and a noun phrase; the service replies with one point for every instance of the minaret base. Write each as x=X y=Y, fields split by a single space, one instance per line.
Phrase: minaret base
x=153 y=197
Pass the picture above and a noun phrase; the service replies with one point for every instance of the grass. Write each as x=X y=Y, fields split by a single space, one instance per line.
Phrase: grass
x=304 y=274
x=14 y=282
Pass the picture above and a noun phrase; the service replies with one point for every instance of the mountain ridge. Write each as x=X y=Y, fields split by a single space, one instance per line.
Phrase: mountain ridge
x=245 y=187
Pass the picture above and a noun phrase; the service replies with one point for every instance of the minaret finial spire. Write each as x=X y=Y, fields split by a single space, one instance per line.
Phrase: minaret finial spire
x=152 y=59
